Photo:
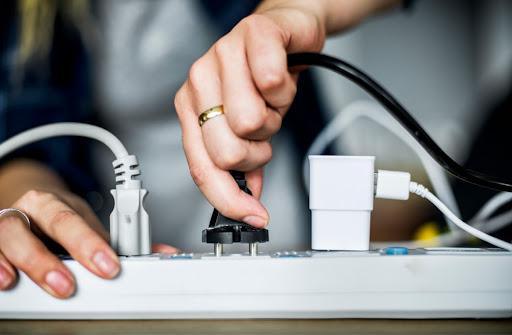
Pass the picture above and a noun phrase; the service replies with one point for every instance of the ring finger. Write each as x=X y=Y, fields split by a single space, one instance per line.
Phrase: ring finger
x=227 y=151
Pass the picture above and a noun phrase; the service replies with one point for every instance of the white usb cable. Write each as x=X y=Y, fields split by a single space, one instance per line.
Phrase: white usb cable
x=397 y=185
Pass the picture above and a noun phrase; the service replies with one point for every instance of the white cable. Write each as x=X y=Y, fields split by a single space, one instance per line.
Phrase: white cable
x=64 y=129
x=453 y=238
x=423 y=192
x=492 y=205
x=376 y=113
x=130 y=232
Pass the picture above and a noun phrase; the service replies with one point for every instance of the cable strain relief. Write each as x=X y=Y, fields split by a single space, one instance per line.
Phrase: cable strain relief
x=418 y=189
x=126 y=170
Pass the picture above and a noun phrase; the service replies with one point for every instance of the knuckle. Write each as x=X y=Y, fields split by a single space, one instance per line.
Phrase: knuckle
x=271 y=80
x=253 y=22
x=34 y=196
x=61 y=218
x=267 y=156
x=196 y=73
x=249 y=123
x=223 y=47
x=230 y=158
x=179 y=100
x=198 y=174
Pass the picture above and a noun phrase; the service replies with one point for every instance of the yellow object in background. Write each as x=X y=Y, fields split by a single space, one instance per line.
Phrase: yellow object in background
x=427 y=232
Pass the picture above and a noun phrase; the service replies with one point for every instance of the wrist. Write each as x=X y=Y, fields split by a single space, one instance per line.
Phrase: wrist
x=303 y=21
x=332 y=15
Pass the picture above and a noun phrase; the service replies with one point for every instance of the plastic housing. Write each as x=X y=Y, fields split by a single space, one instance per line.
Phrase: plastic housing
x=341 y=201
x=393 y=185
x=425 y=283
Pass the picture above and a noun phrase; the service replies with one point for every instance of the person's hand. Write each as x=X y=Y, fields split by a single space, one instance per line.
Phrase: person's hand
x=246 y=72
x=66 y=219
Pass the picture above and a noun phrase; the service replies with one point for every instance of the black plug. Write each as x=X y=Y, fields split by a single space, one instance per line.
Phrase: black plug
x=223 y=230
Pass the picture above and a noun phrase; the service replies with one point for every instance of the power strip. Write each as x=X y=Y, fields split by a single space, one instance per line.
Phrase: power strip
x=386 y=283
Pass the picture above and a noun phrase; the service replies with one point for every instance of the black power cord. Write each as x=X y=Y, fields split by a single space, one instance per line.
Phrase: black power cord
x=401 y=114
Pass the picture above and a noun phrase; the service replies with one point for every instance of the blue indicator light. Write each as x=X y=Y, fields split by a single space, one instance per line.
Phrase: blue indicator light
x=396 y=251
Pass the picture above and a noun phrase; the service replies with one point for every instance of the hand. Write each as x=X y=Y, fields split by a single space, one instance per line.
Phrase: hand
x=246 y=72
x=66 y=219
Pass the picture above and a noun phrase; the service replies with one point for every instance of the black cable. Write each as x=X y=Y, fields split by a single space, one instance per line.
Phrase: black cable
x=402 y=115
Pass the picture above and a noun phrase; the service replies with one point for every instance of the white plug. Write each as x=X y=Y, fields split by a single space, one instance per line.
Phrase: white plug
x=341 y=201
x=130 y=232
x=392 y=185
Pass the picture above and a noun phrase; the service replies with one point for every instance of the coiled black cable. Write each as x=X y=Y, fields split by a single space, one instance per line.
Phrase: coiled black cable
x=402 y=115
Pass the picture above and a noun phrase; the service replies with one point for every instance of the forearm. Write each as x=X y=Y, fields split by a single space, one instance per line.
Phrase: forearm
x=19 y=176
x=334 y=15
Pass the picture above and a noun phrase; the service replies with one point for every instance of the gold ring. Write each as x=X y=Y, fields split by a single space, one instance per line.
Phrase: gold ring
x=210 y=114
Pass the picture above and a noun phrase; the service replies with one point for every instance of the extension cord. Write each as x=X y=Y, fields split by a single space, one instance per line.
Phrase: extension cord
x=424 y=283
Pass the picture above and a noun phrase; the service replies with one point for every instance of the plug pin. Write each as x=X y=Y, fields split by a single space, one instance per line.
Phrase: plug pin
x=253 y=249
x=218 y=249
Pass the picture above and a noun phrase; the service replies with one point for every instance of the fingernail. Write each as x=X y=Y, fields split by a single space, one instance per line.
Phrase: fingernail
x=59 y=283
x=255 y=221
x=106 y=264
x=5 y=278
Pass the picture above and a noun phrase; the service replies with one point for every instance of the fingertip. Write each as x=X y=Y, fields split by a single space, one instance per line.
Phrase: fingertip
x=107 y=264
x=59 y=284
x=164 y=248
x=256 y=215
x=256 y=221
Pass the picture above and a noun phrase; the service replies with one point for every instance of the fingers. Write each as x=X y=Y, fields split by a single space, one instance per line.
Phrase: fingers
x=266 y=56
x=65 y=226
x=246 y=110
x=226 y=149
x=216 y=184
x=27 y=253
x=164 y=248
x=246 y=72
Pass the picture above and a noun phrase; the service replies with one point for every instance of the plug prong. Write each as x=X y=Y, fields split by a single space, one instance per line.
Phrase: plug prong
x=253 y=249
x=218 y=249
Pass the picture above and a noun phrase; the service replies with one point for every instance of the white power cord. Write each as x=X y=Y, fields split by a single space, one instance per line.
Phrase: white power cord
x=129 y=223
x=423 y=192
x=394 y=185
x=64 y=129
x=491 y=206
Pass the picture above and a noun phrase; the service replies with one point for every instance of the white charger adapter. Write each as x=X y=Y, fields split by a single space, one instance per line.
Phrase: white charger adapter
x=341 y=201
